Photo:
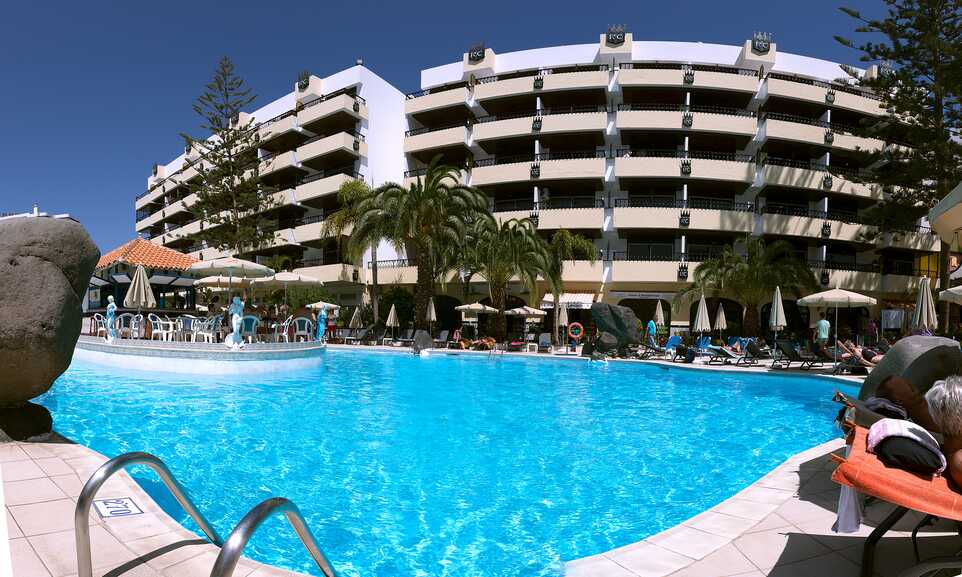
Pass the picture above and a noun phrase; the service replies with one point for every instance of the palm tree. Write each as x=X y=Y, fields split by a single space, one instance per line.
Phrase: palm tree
x=565 y=245
x=506 y=251
x=433 y=212
x=752 y=278
x=340 y=223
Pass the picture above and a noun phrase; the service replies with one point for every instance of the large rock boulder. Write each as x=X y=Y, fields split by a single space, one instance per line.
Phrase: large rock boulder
x=918 y=359
x=619 y=322
x=422 y=341
x=45 y=268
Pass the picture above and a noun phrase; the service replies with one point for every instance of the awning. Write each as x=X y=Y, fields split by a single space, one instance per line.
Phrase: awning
x=946 y=216
x=98 y=282
x=569 y=300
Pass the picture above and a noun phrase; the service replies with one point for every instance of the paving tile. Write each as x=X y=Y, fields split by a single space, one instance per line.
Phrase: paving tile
x=46 y=517
x=58 y=551
x=594 y=566
x=136 y=526
x=69 y=484
x=25 y=561
x=20 y=470
x=13 y=530
x=54 y=466
x=832 y=564
x=160 y=553
x=725 y=562
x=36 y=451
x=647 y=560
x=779 y=546
x=721 y=524
x=12 y=452
x=689 y=542
x=745 y=509
x=771 y=521
x=31 y=491
x=785 y=480
x=765 y=495
x=200 y=565
x=798 y=511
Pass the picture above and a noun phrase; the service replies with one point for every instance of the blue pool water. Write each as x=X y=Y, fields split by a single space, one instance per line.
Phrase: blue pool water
x=451 y=465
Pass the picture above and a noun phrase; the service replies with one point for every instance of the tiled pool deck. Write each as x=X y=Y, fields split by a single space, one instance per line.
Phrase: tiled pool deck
x=779 y=526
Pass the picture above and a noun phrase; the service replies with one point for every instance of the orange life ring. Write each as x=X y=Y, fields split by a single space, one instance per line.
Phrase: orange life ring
x=575 y=331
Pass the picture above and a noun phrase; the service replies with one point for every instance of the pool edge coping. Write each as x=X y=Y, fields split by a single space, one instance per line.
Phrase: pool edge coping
x=662 y=560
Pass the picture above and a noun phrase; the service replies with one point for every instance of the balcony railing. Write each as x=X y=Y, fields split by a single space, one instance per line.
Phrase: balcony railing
x=543 y=156
x=792 y=210
x=350 y=131
x=798 y=119
x=561 y=202
x=544 y=72
x=681 y=66
x=331 y=96
x=821 y=83
x=436 y=89
x=843 y=265
x=324 y=261
x=427 y=129
x=669 y=107
x=514 y=205
x=695 y=203
x=395 y=263
x=646 y=254
x=543 y=112
x=625 y=152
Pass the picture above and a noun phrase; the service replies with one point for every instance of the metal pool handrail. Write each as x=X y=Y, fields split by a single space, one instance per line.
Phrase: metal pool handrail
x=231 y=550
x=82 y=512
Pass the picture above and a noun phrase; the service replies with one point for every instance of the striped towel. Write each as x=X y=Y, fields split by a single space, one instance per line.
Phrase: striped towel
x=886 y=428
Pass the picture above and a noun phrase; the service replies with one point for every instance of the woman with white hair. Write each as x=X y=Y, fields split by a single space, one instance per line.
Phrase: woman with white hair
x=945 y=405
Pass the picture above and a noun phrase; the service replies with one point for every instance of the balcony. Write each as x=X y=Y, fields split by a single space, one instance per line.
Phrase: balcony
x=435 y=99
x=334 y=274
x=421 y=139
x=582 y=271
x=716 y=119
x=677 y=164
x=703 y=214
x=572 y=213
x=814 y=176
x=793 y=87
x=339 y=109
x=783 y=220
x=592 y=77
x=279 y=132
x=551 y=166
x=673 y=75
x=320 y=185
x=634 y=274
x=553 y=121
x=338 y=149
x=809 y=131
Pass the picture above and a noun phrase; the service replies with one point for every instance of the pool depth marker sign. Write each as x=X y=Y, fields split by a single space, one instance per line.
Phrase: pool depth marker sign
x=119 y=507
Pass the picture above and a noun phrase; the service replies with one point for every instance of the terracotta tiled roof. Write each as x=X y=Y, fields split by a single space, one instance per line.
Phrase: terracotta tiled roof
x=140 y=251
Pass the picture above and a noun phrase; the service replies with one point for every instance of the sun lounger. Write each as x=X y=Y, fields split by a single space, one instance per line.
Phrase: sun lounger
x=723 y=356
x=755 y=352
x=933 y=496
x=357 y=338
x=544 y=343
x=442 y=340
x=407 y=339
x=790 y=355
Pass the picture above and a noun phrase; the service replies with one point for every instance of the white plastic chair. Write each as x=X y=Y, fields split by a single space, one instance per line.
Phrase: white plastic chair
x=123 y=323
x=160 y=328
x=137 y=327
x=100 y=324
x=208 y=329
x=282 y=330
x=303 y=328
x=186 y=327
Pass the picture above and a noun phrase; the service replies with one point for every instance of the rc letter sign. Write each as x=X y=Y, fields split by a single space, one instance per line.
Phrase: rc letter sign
x=615 y=35
x=476 y=53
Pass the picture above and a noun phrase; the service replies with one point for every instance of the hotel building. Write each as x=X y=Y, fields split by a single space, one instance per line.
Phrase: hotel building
x=660 y=152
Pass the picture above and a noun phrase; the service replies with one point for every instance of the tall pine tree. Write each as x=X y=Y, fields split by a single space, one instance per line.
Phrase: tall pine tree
x=229 y=196
x=917 y=48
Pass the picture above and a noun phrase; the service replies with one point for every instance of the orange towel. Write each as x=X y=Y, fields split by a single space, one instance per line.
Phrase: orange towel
x=864 y=472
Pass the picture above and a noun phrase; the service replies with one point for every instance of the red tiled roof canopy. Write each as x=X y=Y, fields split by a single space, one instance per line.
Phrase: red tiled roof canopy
x=140 y=251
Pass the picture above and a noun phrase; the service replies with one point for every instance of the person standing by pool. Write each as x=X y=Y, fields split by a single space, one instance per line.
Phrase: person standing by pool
x=650 y=331
x=822 y=329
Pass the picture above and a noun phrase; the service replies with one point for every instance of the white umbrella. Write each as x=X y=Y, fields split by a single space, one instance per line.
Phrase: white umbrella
x=952 y=295
x=525 y=311
x=324 y=305
x=702 y=324
x=432 y=314
x=139 y=296
x=776 y=319
x=284 y=280
x=924 y=317
x=392 y=320
x=563 y=316
x=721 y=323
x=231 y=266
x=659 y=315
x=356 y=318
x=476 y=308
x=837 y=298
x=221 y=281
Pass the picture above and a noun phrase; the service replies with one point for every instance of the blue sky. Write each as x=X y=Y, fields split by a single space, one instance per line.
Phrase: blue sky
x=95 y=92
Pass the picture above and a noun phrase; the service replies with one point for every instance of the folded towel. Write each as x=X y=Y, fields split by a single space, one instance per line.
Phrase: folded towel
x=887 y=428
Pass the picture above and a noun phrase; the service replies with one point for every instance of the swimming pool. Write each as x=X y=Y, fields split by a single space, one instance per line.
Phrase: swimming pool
x=451 y=465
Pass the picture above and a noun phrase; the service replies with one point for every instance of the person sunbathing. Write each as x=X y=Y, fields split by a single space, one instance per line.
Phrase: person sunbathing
x=864 y=356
